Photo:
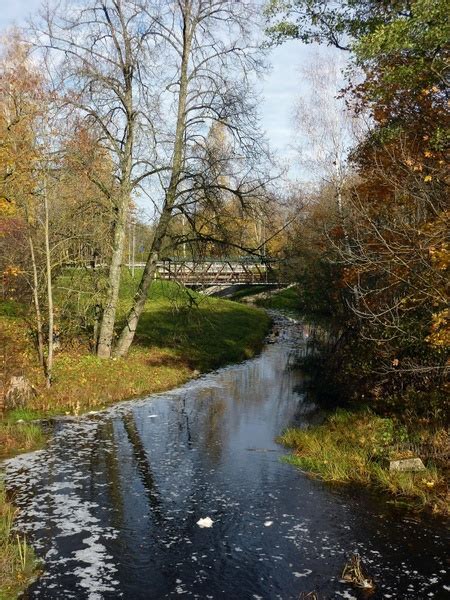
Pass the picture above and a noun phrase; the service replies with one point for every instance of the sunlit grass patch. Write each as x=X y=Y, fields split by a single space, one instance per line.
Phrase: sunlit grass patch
x=357 y=447
x=19 y=436
x=287 y=299
x=18 y=564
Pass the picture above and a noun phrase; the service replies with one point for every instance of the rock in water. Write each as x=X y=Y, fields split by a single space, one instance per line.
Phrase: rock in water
x=407 y=464
x=206 y=522
x=19 y=392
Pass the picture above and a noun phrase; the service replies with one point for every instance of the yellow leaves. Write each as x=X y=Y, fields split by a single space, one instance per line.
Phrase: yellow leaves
x=7 y=209
x=427 y=178
x=440 y=256
x=427 y=91
x=440 y=329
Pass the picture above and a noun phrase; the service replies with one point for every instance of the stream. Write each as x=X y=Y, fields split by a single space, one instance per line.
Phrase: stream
x=111 y=504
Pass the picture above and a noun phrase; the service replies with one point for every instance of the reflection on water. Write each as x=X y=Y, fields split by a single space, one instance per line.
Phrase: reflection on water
x=112 y=504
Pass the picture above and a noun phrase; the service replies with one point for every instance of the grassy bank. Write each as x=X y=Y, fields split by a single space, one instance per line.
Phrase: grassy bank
x=355 y=447
x=18 y=565
x=179 y=335
x=286 y=299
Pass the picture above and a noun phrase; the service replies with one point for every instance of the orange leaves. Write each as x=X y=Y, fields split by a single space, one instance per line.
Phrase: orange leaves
x=349 y=276
x=12 y=271
x=20 y=107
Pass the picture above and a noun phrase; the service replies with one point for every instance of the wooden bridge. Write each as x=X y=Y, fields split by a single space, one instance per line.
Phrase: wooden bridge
x=217 y=272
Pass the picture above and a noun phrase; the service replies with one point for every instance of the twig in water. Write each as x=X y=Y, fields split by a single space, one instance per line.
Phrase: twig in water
x=353 y=573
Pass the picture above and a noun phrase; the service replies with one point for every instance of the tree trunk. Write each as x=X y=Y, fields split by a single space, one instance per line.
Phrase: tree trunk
x=128 y=332
x=127 y=335
x=49 y=365
x=37 y=308
x=105 y=337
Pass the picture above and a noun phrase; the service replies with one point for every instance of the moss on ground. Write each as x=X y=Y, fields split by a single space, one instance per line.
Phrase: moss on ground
x=355 y=447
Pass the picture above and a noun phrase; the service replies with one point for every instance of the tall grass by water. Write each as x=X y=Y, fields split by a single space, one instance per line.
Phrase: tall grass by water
x=355 y=447
x=18 y=564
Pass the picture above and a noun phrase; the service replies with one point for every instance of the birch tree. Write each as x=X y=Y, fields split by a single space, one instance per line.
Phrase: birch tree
x=326 y=127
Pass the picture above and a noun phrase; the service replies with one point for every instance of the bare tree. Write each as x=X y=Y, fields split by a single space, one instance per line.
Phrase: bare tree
x=211 y=56
x=327 y=128
x=100 y=50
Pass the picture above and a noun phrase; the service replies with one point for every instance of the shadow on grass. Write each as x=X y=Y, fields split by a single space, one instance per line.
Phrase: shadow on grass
x=206 y=336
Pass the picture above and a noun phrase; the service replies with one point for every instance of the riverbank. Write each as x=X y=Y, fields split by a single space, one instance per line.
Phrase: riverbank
x=18 y=564
x=178 y=337
x=356 y=445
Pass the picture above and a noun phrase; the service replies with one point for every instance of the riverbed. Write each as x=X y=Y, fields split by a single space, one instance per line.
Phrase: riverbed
x=112 y=504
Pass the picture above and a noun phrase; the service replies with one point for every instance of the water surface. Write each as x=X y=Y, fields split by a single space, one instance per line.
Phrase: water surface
x=112 y=504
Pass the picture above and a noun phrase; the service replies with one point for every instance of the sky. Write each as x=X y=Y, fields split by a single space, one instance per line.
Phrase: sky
x=280 y=88
x=284 y=84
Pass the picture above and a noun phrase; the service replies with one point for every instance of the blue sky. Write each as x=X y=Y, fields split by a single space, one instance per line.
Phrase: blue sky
x=281 y=87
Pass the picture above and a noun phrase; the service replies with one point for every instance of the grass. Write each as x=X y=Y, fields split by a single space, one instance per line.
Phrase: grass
x=249 y=291
x=286 y=299
x=355 y=447
x=18 y=564
x=18 y=435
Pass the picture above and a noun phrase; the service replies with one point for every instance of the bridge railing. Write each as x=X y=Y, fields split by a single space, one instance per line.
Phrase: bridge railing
x=213 y=272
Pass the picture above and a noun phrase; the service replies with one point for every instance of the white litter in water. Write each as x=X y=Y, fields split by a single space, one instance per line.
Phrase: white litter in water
x=268 y=523
x=206 y=522
x=305 y=573
x=152 y=416
x=346 y=595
